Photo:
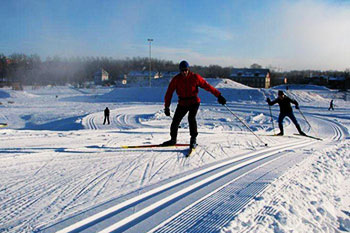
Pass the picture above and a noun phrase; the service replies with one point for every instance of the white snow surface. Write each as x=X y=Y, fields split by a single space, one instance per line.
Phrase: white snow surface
x=57 y=159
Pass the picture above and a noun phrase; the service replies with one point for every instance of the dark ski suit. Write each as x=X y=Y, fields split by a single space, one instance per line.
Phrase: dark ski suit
x=286 y=110
x=106 y=113
x=331 y=106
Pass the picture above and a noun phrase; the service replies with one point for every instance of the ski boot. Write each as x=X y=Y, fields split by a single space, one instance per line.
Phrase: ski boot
x=193 y=143
x=171 y=142
x=300 y=131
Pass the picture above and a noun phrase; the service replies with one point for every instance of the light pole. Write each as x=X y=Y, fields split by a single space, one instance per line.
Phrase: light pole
x=150 y=66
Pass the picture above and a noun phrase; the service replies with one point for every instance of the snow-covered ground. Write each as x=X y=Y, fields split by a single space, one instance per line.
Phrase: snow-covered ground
x=60 y=164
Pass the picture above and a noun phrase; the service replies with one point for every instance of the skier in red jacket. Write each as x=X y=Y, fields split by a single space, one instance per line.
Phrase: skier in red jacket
x=186 y=85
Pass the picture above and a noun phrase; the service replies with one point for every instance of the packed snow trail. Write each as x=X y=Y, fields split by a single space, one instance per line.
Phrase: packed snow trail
x=175 y=191
x=139 y=221
x=219 y=207
x=52 y=173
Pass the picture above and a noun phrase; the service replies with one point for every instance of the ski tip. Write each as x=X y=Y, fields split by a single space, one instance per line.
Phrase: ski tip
x=190 y=152
x=309 y=136
x=151 y=146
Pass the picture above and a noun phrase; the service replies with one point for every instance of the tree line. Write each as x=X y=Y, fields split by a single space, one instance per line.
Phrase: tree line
x=31 y=70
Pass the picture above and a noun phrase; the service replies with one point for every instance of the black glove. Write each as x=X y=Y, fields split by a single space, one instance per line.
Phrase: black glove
x=167 y=111
x=221 y=100
x=297 y=106
x=268 y=100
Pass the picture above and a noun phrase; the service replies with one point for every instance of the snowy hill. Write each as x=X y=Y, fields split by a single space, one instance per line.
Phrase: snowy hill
x=40 y=108
x=59 y=164
x=226 y=83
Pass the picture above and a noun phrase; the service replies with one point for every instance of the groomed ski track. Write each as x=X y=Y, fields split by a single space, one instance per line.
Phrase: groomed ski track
x=225 y=187
x=205 y=199
x=59 y=186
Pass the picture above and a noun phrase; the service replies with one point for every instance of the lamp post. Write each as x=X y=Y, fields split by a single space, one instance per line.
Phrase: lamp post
x=150 y=66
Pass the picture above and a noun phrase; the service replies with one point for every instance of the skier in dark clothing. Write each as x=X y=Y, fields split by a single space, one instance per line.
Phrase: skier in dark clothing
x=331 y=106
x=106 y=113
x=286 y=110
x=186 y=85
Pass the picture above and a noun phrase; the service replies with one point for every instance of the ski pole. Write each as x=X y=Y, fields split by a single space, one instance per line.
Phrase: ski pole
x=245 y=125
x=273 y=126
x=307 y=121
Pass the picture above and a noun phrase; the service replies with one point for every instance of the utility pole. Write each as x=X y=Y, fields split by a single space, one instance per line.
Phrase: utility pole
x=150 y=58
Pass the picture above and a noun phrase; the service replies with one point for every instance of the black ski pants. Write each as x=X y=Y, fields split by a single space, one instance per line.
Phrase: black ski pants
x=292 y=117
x=106 y=118
x=180 y=112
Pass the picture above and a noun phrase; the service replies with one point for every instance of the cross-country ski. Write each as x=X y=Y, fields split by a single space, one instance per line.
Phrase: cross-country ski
x=309 y=136
x=152 y=146
x=191 y=150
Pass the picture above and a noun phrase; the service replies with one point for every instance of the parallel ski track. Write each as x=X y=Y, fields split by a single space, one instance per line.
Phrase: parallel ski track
x=120 y=118
x=191 y=182
x=211 y=212
x=66 y=195
x=339 y=131
x=102 y=216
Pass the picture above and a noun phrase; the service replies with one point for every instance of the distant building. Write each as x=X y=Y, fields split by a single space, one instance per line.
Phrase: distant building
x=101 y=76
x=337 y=82
x=320 y=80
x=169 y=74
x=139 y=76
x=279 y=81
x=259 y=78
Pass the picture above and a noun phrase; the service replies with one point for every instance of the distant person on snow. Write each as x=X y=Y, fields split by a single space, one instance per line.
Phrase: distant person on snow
x=285 y=110
x=106 y=113
x=331 y=106
x=186 y=85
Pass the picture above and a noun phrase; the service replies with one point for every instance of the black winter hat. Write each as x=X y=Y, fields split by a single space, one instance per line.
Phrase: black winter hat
x=184 y=65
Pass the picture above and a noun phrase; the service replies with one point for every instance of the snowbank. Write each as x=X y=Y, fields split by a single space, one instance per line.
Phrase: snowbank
x=226 y=83
x=313 y=196
x=4 y=94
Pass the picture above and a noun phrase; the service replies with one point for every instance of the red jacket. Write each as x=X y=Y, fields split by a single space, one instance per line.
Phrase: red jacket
x=187 y=89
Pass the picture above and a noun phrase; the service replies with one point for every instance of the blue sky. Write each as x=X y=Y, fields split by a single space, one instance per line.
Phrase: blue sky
x=289 y=34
